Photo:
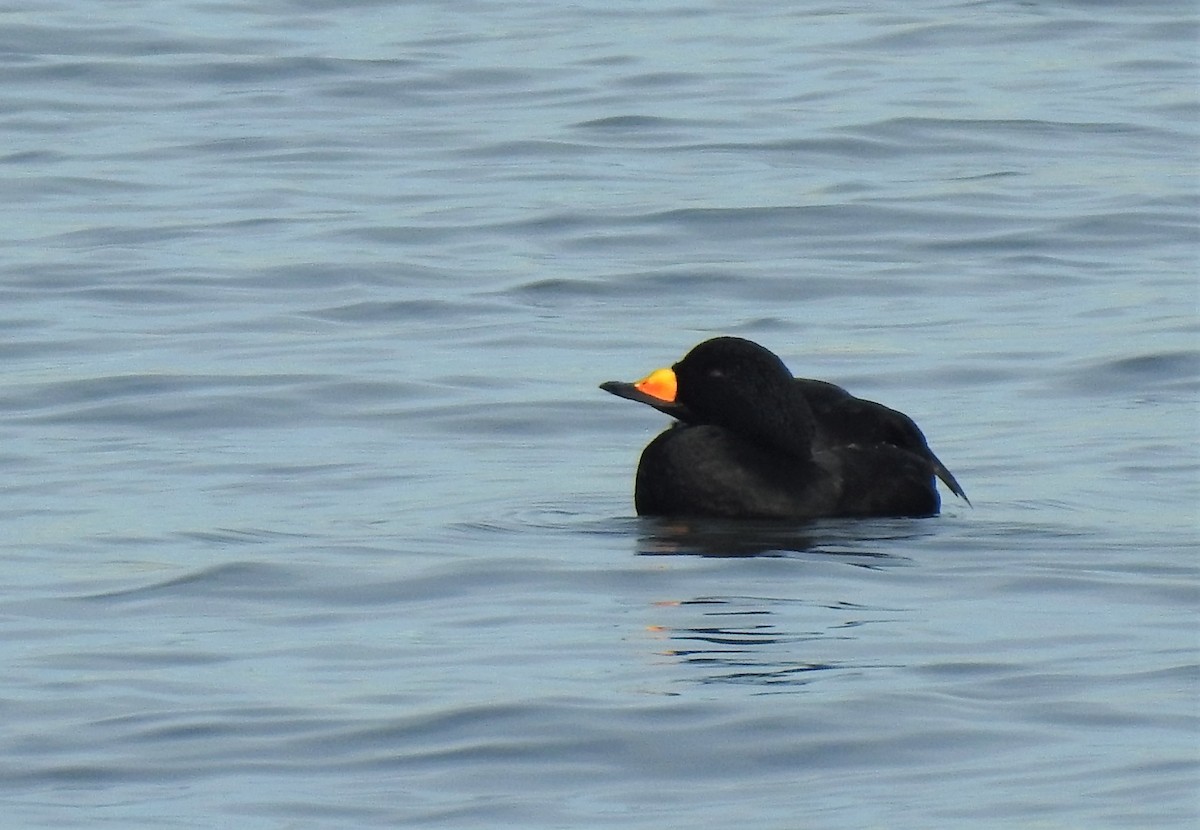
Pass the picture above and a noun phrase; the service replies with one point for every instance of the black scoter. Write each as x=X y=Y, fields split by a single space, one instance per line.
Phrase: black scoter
x=751 y=441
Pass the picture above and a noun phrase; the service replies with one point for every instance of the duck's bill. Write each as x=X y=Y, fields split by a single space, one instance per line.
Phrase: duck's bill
x=656 y=389
x=631 y=392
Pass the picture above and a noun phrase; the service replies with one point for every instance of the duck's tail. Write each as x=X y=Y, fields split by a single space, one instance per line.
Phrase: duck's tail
x=948 y=478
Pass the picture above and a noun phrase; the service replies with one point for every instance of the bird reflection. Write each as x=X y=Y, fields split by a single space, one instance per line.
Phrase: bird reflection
x=738 y=640
x=774 y=643
x=853 y=541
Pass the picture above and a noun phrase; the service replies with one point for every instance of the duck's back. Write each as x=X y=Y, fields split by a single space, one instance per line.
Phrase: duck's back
x=843 y=420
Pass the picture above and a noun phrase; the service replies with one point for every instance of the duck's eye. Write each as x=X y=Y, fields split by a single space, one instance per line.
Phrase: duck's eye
x=716 y=372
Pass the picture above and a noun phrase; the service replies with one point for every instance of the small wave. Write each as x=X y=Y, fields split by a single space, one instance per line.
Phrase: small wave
x=224 y=579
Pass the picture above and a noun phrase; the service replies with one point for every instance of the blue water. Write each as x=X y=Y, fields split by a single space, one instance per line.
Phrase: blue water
x=315 y=517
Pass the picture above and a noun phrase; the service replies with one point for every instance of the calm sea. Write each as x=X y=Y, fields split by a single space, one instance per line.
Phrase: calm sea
x=314 y=517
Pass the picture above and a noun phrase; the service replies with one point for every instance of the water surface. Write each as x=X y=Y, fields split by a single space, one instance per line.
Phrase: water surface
x=315 y=516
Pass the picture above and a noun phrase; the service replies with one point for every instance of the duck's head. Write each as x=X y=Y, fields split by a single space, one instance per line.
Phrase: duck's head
x=733 y=383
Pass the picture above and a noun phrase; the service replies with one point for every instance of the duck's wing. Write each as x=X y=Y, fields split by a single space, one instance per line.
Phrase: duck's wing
x=844 y=420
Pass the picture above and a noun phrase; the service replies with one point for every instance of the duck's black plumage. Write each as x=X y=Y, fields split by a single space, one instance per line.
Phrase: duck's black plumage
x=752 y=441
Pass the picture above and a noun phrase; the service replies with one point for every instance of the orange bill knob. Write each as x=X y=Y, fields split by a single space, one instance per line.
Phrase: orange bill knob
x=659 y=384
